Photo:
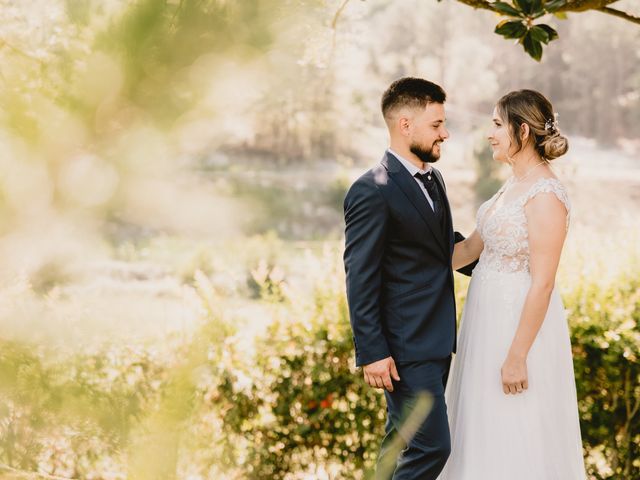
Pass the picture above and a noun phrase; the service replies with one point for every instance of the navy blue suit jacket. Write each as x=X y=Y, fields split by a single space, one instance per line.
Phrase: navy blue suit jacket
x=398 y=268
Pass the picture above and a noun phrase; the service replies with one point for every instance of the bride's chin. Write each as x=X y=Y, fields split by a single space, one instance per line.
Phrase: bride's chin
x=499 y=158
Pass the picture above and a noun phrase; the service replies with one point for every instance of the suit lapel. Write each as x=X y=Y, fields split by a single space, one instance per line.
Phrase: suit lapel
x=401 y=177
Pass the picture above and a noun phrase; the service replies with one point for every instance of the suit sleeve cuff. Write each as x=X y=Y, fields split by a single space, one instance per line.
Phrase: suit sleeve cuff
x=370 y=356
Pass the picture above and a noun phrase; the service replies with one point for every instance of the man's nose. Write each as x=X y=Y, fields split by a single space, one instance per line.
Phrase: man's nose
x=445 y=133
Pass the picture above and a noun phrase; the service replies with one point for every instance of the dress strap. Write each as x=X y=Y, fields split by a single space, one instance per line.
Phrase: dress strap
x=549 y=185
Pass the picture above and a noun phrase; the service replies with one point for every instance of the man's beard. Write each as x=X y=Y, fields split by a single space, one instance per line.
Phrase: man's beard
x=426 y=155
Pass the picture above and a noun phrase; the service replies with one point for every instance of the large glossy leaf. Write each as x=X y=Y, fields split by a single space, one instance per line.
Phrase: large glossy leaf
x=525 y=5
x=551 y=32
x=506 y=9
x=532 y=47
x=539 y=34
x=511 y=29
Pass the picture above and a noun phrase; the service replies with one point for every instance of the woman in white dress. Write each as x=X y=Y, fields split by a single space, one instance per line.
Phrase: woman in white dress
x=511 y=395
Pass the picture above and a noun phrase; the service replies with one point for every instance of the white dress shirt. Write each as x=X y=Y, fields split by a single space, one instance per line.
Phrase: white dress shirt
x=413 y=170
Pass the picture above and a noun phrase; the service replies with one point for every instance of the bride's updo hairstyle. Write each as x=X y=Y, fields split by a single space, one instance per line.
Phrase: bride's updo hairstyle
x=533 y=108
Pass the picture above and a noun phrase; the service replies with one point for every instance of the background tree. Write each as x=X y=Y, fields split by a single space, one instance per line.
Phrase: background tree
x=522 y=15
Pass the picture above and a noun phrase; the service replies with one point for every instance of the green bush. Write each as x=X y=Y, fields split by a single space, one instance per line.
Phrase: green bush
x=310 y=408
x=606 y=346
x=64 y=416
x=294 y=405
x=315 y=411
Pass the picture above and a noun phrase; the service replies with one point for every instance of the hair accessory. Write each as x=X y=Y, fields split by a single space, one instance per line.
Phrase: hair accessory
x=551 y=125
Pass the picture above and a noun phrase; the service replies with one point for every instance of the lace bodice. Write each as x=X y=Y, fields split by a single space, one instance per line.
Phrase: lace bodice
x=504 y=229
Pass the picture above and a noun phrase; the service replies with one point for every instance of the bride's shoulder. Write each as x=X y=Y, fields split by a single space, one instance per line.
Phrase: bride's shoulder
x=548 y=184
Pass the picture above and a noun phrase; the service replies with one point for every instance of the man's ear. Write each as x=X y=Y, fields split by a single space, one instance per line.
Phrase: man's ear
x=404 y=124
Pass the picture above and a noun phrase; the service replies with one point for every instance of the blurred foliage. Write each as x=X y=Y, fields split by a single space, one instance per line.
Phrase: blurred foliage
x=67 y=417
x=605 y=327
x=488 y=179
x=312 y=411
x=291 y=404
x=158 y=42
x=295 y=204
x=102 y=101
x=155 y=55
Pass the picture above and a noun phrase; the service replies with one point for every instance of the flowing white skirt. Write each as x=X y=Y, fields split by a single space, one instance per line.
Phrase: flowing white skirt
x=534 y=435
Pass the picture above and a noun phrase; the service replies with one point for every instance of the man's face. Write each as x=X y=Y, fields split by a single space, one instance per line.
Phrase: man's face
x=427 y=132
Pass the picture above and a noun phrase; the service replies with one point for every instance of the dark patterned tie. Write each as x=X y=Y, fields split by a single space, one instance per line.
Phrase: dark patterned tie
x=429 y=181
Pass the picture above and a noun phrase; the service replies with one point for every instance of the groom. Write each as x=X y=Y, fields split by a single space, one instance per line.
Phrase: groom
x=399 y=244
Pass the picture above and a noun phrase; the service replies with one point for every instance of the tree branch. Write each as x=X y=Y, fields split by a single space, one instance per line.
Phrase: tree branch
x=620 y=14
x=21 y=474
x=570 y=6
x=14 y=49
x=478 y=4
x=584 y=5
x=336 y=17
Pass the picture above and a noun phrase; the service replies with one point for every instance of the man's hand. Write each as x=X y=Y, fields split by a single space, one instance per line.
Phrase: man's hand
x=378 y=374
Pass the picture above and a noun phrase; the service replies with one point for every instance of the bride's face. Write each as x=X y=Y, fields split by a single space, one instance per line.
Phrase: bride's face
x=500 y=139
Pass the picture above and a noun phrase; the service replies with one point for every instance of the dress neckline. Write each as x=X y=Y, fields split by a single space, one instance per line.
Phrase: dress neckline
x=516 y=200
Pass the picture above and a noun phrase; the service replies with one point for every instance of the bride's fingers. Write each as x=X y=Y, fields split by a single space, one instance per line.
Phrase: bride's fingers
x=512 y=389
x=505 y=389
x=525 y=384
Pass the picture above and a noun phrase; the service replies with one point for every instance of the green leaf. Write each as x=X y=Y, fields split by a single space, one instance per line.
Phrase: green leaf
x=525 y=5
x=532 y=46
x=506 y=9
x=539 y=34
x=536 y=6
x=551 y=32
x=511 y=29
x=553 y=5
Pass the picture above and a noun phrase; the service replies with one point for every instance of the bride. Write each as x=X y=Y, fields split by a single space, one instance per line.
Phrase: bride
x=512 y=395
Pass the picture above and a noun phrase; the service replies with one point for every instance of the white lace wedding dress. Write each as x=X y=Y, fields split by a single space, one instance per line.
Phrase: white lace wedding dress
x=534 y=435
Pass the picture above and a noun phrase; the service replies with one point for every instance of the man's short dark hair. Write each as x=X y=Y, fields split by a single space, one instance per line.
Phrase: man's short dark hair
x=411 y=92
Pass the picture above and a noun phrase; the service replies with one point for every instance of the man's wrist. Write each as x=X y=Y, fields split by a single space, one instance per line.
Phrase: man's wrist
x=367 y=359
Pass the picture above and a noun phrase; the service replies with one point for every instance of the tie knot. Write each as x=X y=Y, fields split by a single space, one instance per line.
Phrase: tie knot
x=428 y=181
x=425 y=177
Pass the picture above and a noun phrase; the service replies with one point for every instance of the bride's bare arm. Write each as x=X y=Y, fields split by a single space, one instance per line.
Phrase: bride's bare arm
x=467 y=251
x=546 y=219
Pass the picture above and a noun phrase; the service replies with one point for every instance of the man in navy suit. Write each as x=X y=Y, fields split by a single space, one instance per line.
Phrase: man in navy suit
x=399 y=245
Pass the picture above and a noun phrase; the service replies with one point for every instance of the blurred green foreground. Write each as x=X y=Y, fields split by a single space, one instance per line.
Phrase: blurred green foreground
x=289 y=405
